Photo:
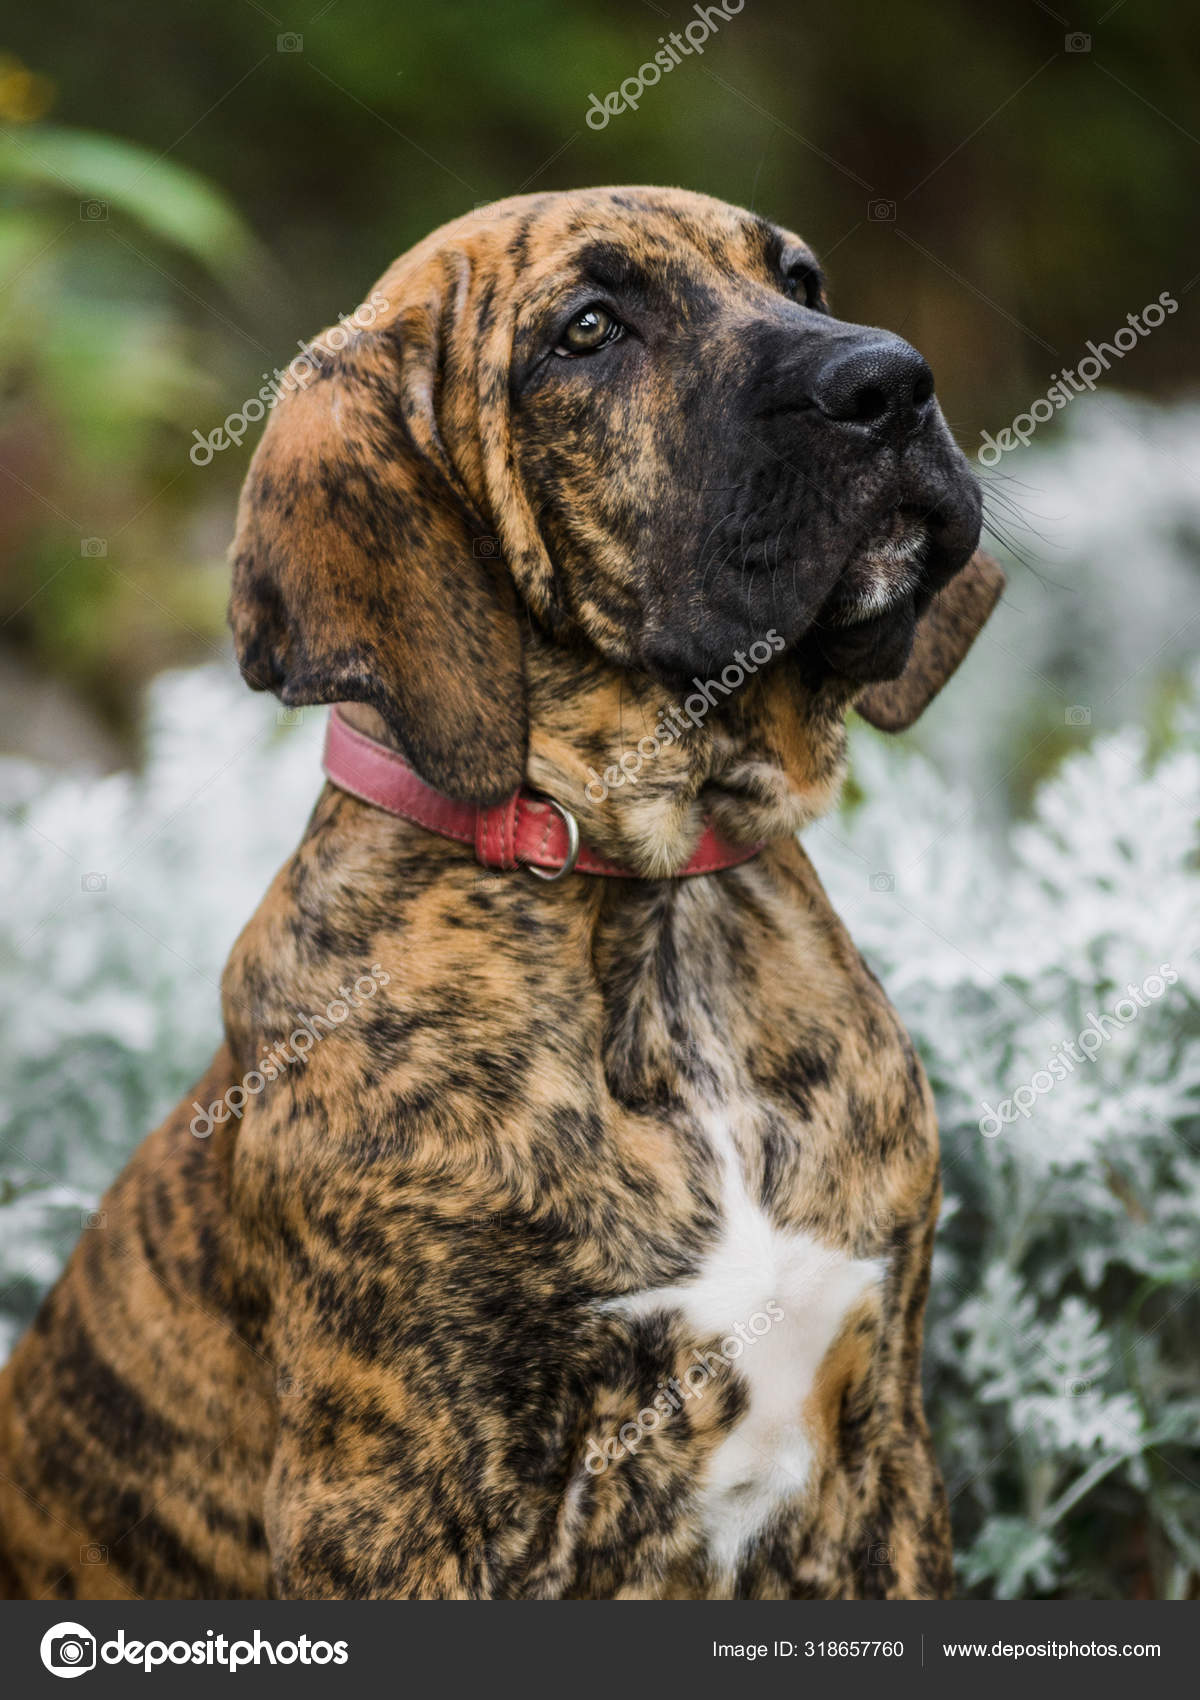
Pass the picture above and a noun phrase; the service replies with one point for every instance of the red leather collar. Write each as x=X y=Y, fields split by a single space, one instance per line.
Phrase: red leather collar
x=524 y=831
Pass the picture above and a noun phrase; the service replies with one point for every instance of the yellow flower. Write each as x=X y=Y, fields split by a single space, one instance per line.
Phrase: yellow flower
x=24 y=94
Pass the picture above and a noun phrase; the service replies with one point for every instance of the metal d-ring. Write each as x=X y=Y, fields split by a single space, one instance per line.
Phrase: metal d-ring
x=573 y=843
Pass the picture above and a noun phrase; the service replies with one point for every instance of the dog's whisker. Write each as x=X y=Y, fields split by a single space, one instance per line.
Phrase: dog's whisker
x=994 y=529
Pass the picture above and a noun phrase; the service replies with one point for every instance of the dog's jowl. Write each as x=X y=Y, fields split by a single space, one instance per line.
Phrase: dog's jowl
x=558 y=1218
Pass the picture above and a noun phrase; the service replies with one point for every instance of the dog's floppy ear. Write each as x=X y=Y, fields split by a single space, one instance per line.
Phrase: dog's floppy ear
x=361 y=572
x=944 y=634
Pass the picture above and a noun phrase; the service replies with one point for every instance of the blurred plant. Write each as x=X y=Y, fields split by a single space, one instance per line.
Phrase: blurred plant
x=1065 y=1381
x=24 y=95
x=104 y=369
x=123 y=898
x=1099 y=624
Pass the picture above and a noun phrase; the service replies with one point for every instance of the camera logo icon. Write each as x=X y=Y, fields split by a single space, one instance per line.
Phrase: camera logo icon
x=1077 y=42
x=68 y=1649
x=883 y=882
x=93 y=212
x=881 y=212
x=1078 y=715
x=93 y=882
x=486 y=549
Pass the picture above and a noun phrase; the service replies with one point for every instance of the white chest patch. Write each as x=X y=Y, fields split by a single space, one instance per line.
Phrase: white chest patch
x=756 y=1274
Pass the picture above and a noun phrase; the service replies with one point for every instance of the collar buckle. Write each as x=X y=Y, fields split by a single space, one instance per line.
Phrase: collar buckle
x=573 y=843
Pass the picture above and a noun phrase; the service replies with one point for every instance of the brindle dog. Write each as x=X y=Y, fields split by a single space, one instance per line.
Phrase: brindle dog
x=588 y=1255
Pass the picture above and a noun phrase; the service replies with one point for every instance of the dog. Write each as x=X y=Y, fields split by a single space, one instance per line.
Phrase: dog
x=584 y=1253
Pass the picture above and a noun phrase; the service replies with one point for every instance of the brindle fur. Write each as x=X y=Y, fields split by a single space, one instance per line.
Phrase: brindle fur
x=354 y=1344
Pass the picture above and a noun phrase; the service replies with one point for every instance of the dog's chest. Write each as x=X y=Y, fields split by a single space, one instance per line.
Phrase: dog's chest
x=766 y=1303
x=783 y=1260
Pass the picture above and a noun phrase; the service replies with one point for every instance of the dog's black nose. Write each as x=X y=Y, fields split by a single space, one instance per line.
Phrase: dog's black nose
x=883 y=382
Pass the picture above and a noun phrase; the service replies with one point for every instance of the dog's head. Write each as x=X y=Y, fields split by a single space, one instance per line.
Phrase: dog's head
x=623 y=420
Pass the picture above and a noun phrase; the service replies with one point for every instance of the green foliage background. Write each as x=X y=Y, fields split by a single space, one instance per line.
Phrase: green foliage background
x=1040 y=194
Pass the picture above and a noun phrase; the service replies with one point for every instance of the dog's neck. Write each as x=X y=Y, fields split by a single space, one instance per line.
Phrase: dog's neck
x=754 y=751
x=642 y=767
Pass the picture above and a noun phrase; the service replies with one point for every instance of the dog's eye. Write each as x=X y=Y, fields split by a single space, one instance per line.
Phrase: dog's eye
x=802 y=283
x=589 y=331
